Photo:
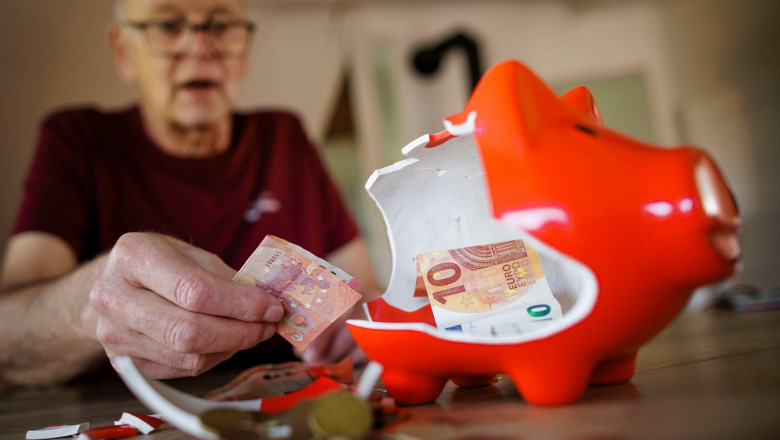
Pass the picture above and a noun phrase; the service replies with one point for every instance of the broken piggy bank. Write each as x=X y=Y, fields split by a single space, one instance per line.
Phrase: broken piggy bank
x=625 y=232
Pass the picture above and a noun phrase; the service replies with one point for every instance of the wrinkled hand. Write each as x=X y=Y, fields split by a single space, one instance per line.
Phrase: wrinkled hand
x=173 y=308
x=336 y=343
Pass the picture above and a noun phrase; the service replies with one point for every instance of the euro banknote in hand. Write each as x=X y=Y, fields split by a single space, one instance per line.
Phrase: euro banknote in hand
x=313 y=292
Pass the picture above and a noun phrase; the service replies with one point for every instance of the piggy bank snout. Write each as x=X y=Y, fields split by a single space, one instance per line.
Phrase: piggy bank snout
x=720 y=207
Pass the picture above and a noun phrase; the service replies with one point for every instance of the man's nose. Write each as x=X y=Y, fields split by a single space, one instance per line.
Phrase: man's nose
x=201 y=47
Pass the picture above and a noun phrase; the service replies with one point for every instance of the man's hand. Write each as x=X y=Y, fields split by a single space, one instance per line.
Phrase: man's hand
x=336 y=343
x=173 y=308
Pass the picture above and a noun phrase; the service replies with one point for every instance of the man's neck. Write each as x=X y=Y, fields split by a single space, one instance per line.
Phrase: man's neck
x=192 y=142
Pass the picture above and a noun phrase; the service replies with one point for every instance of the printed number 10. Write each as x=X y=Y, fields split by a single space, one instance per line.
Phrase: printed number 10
x=439 y=268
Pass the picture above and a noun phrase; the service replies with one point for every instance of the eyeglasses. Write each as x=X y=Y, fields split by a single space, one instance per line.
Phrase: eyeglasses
x=173 y=37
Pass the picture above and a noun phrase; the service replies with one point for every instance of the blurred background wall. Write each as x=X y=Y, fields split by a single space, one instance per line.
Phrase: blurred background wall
x=701 y=72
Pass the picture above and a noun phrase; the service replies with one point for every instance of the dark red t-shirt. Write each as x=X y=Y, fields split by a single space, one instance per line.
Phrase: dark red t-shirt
x=96 y=175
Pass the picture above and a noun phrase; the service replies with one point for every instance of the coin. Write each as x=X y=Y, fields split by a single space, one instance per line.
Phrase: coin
x=215 y=419
x=233 y=424
x=295 y=417
x=340 y=414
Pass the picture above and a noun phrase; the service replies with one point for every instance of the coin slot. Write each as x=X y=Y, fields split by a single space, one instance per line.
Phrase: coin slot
x=586 y=129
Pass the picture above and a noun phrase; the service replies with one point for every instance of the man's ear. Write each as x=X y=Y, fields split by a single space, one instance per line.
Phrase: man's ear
x=117 y=41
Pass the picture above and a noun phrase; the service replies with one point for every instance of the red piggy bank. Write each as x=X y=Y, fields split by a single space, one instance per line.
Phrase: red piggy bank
x=625 y=231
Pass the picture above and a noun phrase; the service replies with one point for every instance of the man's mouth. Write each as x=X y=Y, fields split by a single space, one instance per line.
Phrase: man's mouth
x=198 y=84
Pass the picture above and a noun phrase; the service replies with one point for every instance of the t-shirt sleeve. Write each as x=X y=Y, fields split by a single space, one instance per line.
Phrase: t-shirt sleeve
x=54 y=196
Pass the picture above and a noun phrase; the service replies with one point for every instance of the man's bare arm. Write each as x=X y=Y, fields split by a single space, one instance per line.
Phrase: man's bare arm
x=355 y=260
x=47 y=325
x=171 y=306
x=336 y=342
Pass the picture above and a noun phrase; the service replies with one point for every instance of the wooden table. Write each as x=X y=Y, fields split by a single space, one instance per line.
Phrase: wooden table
x=709 y=375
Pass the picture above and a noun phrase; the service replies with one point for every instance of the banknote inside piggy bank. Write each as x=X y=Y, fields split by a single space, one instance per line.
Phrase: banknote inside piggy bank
x=530 y=240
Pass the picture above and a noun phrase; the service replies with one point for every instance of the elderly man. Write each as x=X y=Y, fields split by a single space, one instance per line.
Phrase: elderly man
x=133 y=220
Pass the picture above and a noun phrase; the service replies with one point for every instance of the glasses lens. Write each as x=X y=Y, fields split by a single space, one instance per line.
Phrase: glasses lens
x=230 y=38
x=167 y=36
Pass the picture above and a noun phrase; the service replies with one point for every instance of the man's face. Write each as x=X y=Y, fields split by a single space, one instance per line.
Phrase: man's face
x=193 y=88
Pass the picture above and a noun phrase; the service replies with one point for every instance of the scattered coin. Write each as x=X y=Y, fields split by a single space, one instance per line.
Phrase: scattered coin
x=340 y=415
x=233 y=424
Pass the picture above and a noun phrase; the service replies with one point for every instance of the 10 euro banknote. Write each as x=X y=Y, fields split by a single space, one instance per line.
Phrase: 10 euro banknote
x=313 y=292
x=493 y=289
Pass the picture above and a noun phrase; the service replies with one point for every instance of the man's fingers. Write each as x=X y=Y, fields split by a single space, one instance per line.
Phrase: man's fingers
x=156 y=370
x=201 y=257
x=183 y=331
x=159 y=360
x=151 y=262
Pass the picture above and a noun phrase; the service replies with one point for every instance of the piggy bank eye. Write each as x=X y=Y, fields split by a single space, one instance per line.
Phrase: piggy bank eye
x=586 y=129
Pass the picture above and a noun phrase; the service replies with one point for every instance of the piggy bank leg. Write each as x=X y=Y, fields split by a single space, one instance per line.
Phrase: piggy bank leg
x=561 y=383
x=473 y=381
x=617 y=370
x=409 y=388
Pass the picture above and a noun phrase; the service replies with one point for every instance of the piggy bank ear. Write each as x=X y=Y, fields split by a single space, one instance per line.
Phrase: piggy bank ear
x=581 y=100
x=511 y=102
